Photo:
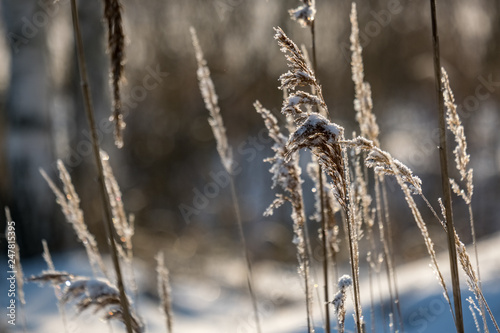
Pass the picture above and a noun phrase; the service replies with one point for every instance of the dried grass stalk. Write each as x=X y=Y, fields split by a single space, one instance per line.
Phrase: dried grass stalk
x=363 y=101
x=473 y=280
x=385 y=239
x=472 y=307
x=462 y=159
x=123 y=225
x=345 y=282
x=47 y=257
x=300 y=75
x=445 y=178
x=89 y=293
x=57 y=288
x=363 y=106
x=211 y=103
x=331 y=206
x=287 y=175
x=70 y=206
x=164 y=290
x=89 y=111
x=323 y=138
x=385 y=164
x=116 y=49
x=225 y=152
x=316 y=133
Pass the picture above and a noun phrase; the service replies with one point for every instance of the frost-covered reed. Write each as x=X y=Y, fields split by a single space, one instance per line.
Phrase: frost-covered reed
x=69 y=201
x=164 y=291
x=316 y=133
x=210 y=98
x=287 y=176
x=84 y=293
x=344 y=284
x=340 y=172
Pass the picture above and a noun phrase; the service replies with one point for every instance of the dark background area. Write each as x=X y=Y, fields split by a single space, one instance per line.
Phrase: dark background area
x=170 y=156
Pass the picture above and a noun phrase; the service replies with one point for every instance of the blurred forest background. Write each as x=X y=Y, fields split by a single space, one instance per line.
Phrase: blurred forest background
x=169 y=171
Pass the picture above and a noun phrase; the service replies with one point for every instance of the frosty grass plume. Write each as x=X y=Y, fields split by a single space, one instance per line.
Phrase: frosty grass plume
x=363 y=98
x=322 y=137
x=455 y=126
x=85 y=293
x=339 y=300
x=123 y=226
x=316 y=133
x=70 y=206
x=299 y=75
x=286 y=175
x=304 y=14
x=462 y=159
x=211 y=103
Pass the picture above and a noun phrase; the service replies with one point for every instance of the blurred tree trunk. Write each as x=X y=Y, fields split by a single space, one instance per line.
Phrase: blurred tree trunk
x=30 y=97
x=27 y=117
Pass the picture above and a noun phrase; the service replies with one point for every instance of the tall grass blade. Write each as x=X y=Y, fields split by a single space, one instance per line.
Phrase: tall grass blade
x=108 y=218
x=445 y=178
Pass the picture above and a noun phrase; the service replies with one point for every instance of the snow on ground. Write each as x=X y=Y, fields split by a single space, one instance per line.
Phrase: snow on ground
x=216 y=302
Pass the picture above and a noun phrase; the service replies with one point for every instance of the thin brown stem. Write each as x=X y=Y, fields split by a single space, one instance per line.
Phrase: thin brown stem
x=305 y=260
x=483 y=300
x=353 y=256
x=108 y=218
x=310 y=256
x=245 y=253
x=445 y=179
x=322 y=201
x=325 y=250
x=372 y=305
x=354 y=274
x=313 y=38
x=385 y=244
x=391 y=253
x=473 y=233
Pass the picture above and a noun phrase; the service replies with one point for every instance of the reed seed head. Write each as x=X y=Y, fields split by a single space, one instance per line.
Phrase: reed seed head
x=363 y=104
x=462 y=158
x=211 y=103
x=305 y=13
